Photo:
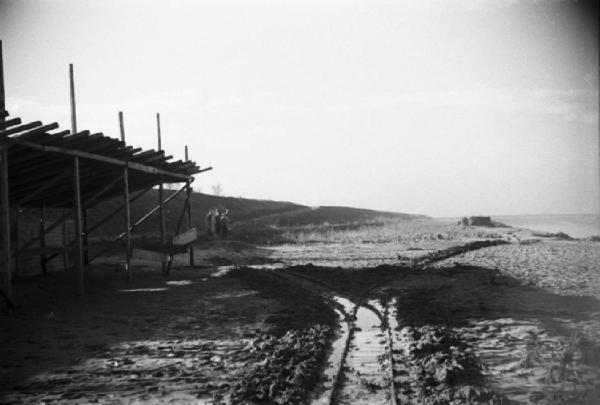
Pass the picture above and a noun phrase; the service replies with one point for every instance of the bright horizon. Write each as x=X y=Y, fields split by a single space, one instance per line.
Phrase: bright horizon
x=441 y=108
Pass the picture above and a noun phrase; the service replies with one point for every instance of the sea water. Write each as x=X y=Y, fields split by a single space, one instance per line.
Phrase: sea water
x=577 y=226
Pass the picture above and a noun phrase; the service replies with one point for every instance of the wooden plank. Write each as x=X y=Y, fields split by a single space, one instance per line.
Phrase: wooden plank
x=78 y=225
x=150 y=255
x=185 y=238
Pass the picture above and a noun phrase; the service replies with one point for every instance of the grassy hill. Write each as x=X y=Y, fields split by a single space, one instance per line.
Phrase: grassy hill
x=253 y=219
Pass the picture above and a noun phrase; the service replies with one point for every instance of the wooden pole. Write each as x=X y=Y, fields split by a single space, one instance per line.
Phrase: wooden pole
x=73 y=107
x=127 y=223
x=65 y=244
x=78 y=225
x=2 y=96
x=188 y=191
x=6 y=250
x=43 y=239
x=4 y=194
x=121 y=126
x=86 y=258
x=16 y=241
x=127 y=206
x=161 y=217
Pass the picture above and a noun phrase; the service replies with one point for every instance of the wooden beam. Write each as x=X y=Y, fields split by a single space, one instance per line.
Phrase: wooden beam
x=28 y=129
x=78 y=228
x=10 y=123
x=151 y=212
x=98 y=158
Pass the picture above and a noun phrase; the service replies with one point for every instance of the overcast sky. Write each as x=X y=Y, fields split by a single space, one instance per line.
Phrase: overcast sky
x=443 y=108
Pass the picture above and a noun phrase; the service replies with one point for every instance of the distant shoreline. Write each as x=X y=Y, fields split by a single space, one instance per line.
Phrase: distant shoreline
x=575 y=225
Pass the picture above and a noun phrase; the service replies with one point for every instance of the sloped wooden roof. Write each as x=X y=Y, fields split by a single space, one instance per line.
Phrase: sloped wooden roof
x=40 y=164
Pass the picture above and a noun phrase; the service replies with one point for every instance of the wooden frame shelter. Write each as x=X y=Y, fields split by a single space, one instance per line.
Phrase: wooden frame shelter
x=41 y=166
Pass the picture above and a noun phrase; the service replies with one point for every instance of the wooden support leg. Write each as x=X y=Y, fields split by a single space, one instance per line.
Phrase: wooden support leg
x=6 y=250
x=189 y=220
x=127 y=223
x=86 y=257
x=161 y=219
x=43 y=239
x=188 y=190
x=16 y=242
x=65 y=243
x=78 y=226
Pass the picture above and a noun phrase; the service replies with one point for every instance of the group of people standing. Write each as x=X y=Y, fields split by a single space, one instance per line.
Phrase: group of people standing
x=218 y=223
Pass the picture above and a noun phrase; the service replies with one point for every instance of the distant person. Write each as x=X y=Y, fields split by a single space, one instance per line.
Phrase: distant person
x=208 y=222
x=225 y=224
x=213 y=221
x=218 y=222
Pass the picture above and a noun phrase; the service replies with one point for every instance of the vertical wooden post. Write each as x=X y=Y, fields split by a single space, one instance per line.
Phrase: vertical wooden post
x=121 y=126
x=127 y=207
x=188 y=190
x=78 y=214
x=4 y=194
x=73 y=107
x=127 y=222
x=42 y=236
x=161 y=217
x=78 y=225
x=86 y=257
x=16 y=241
x=2 y=96
x=6 y=224
x=65 y=244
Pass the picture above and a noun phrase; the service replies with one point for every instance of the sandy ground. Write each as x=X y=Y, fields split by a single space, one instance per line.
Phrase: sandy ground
x=527 y=311
x=179 y=340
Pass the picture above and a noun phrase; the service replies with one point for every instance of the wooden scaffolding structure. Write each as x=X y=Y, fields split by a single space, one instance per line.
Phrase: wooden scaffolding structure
x=44 y=167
